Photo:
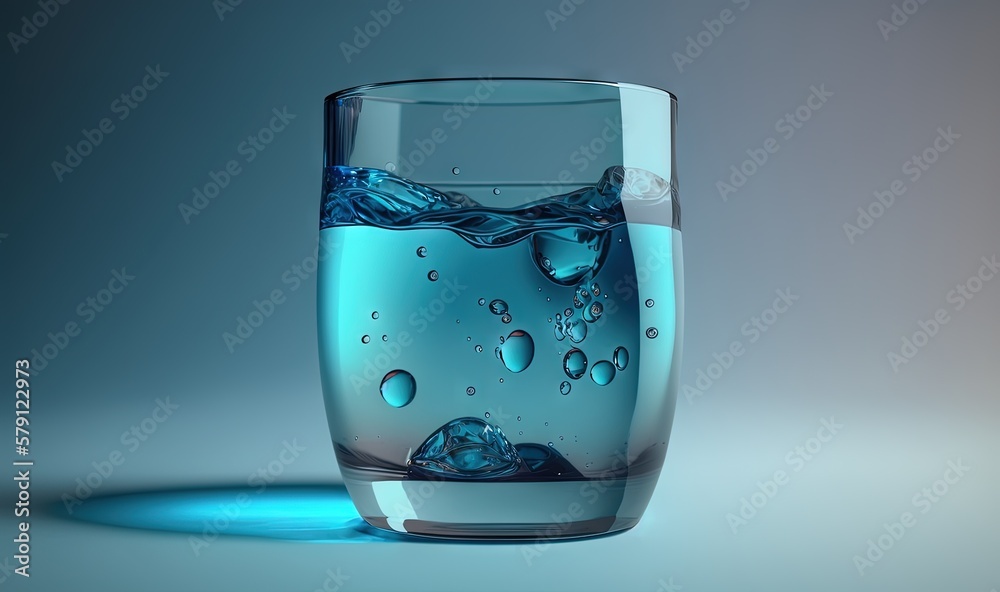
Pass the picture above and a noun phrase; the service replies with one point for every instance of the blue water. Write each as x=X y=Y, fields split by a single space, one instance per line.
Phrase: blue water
x=506 y=343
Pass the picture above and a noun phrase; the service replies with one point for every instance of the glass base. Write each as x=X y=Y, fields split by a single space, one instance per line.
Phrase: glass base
x=530 y=511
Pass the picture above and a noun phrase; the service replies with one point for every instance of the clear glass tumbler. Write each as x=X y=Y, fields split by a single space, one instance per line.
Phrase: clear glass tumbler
x=500 y=315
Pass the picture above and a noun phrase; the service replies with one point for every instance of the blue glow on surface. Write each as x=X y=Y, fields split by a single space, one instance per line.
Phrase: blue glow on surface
x=303 y=513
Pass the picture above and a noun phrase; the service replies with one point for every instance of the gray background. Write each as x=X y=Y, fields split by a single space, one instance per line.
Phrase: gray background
x=784 y=229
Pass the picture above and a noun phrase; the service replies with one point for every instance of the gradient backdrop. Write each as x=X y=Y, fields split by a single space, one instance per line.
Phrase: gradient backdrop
x=884 y=96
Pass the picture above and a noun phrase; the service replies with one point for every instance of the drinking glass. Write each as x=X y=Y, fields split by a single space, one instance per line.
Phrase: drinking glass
x=500 y=312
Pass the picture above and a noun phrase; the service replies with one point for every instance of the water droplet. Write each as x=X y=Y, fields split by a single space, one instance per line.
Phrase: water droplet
x=496 y=191
x=577 y=302
x=546 y=423
x=518 y=351
x=557 y=331
x=459 y=321
x=505 y=318
x=391 y=167
x=421 y=251
x=619 y=240
x=551 y=444
x=355 y=437
x=550 y=320
x=650 y=303
x=375 y=315
x=562 y=438
x=479 y=348
x=501 y=380
x=432 y=275
x=468 y=338
x=482 y=301
x=593 y=312
x=547 y=299
x=518 y=418
x=596 y=289
x=576 y=331
x=568 y=312
x=603 y=372
x=558 y=317
x=456 y=170
x=487 y=415
x=575 y=363
x=565 y=387
x=470 y=391
x=498 y=307
x=398 y=388
x=365 y=339
x=620 y=358
x=385 y=338
x=652 y=332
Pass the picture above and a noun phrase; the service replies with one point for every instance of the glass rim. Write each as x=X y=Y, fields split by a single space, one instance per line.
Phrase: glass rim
x=361 y=90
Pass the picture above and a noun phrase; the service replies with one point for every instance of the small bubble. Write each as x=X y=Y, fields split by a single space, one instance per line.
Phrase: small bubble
x=596 y=289
x=482 y=301
x=552 y=444
x=505 y=318
x=498 y=307
x=385 y=338
x=558 y=317
x=520 y=432
x=487 y=414
x=496 y=191
x=468 y=338
x=584 y=294
x=459 y=321
x=432 y=275
x=518 y=418
x=471 y=391
x=391 y=167
x=355 y=437
x=650 y=303
x=539 y=288
x=577 y=302
x=550 y=320
x=456 y=171
x=375 y=315
x=619 y=240
x=421 y=251
x=501 y=380
x=365 y=339
x=546 y=423
x=652 y=332
x=479 y=348
x=568 y=312
x=565 y=387
x=547 y=299
x=562 y=438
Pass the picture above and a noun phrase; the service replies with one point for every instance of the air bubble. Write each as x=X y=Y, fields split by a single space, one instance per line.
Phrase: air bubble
x=498 y=307
x=620 y=358
x=552 y=444
x=479 y=348
x=565 y=388
x=501 y=381
x=575 y=363
x=470 y=391
x=398 y=388
x=577 y=302
x=365 y=339
x=603 y=372
x=652 y=332
x=558 y=317
x=596 y=289
x=385 y=338
x=505 y=318
x=421 y=251
x=650 y=303
x=482 y=301
x=593 y=312
x=518 y=418
x=432 y=275
x=518 y=351
x=456 y=170
x=355 y=437
x=375 y=315
x=391 y=167
x=496 y=191
x=568 y=312
x=487 y=415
